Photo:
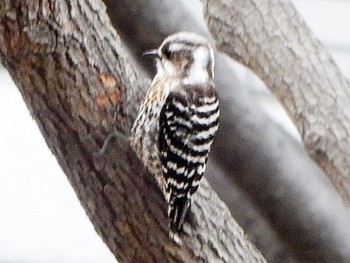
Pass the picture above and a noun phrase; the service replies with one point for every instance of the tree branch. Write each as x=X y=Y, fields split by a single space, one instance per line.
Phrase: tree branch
x=143 y=26
x=253 y=152
x=277 y=45
x=74 y=75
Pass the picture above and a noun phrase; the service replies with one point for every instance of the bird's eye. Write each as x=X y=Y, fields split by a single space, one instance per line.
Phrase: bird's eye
x=166 y=52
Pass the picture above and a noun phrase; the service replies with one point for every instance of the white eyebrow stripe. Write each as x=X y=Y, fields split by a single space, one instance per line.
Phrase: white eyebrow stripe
x=175 y=47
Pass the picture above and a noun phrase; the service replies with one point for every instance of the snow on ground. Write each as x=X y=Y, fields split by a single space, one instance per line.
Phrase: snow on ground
x=41 y=219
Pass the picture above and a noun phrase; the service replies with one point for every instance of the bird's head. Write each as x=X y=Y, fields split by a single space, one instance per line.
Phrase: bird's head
x=187 y=56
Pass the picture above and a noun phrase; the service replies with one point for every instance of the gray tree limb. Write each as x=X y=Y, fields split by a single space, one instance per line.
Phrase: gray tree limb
x=271 y=39
x=75 y=77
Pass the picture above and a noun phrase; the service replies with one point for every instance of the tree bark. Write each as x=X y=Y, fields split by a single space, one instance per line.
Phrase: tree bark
x=76 y=78
x=143 y=26
x=271 y=39
x=254 y=153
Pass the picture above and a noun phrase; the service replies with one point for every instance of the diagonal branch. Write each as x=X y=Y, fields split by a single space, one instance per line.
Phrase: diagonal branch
x=143 y=26
x=75 y=76
x=254 y=153
x=270 y=38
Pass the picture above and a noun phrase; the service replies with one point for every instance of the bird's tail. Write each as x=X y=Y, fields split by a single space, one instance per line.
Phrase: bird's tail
x=177 y=212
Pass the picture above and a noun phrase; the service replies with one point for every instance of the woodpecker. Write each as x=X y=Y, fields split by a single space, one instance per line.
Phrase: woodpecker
x=178 y=119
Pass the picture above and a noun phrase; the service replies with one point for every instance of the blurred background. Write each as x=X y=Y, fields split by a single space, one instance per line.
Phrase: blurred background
x=41 y=219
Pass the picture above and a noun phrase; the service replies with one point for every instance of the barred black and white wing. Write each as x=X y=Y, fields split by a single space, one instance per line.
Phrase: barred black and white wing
x=188 y=122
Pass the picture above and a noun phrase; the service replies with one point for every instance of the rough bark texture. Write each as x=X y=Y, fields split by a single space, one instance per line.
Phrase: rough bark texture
x=144 y=25
x=270 y=38
x=75 y=77
x=254 y=153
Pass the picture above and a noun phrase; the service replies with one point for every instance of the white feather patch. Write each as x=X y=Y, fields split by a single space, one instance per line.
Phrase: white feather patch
x=198 y=73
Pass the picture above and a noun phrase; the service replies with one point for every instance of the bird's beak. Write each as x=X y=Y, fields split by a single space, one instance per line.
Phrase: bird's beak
x=152 y=52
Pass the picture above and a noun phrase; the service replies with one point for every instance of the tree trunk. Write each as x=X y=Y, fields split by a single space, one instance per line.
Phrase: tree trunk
x=271 y=39
x=76 y=78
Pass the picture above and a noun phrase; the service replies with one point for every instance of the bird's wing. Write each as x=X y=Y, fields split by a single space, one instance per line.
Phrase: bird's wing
x=188 y=122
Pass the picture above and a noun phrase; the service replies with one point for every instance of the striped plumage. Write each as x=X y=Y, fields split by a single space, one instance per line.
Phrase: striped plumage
x=178 y=120
x=188 y=123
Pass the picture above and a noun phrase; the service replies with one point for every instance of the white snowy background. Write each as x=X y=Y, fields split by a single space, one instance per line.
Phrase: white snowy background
x=41 y=219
